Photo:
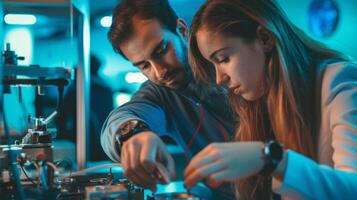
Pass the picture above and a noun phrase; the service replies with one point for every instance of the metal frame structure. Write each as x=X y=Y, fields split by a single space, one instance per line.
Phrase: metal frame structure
x=83 y=82
x=79 y=10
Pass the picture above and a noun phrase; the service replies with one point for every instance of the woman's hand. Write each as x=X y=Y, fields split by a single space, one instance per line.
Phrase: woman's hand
x=224 y=162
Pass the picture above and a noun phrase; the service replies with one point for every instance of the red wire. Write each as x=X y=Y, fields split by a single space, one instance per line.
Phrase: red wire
x=222 y=130
x=195 y=133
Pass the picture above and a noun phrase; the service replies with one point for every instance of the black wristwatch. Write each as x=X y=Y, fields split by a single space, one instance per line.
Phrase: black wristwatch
x=128 y=129
x=272 y=155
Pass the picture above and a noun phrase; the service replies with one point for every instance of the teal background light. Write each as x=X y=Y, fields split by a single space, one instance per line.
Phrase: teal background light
x=343 y=38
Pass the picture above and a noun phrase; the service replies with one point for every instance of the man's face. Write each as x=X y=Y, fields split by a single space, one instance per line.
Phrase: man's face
x=160 y=54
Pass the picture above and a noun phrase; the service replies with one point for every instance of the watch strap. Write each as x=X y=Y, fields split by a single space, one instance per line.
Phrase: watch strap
x=128 y=129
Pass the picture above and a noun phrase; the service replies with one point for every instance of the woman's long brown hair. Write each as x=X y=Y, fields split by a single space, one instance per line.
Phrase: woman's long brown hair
x=287 y=110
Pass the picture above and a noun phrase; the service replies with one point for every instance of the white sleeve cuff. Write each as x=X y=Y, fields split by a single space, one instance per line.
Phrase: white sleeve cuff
x=294 y=176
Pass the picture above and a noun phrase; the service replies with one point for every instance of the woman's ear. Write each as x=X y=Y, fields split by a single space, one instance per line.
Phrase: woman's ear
x=266 y=38
x=182 y=28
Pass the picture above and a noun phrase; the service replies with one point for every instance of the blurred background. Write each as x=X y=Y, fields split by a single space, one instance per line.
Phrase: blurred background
x=73 y=35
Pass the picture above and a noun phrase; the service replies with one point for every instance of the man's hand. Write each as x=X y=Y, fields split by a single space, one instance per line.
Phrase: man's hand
x=141 y=154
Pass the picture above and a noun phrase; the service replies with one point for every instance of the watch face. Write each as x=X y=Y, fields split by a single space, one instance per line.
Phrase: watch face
x=323 y=17
x=127 y=127
x=276 y=151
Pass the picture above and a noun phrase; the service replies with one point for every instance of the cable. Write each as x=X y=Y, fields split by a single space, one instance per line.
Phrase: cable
x=27 y=176
x=220 y=127
x=195 y=133
x=223 y=132
x=54 y=167
x=36 y=165
x=92 y=169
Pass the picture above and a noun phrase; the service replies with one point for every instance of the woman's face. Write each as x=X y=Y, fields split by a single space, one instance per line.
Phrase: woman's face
x=239 y=65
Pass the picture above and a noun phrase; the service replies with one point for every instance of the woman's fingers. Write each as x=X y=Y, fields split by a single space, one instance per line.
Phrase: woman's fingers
x=203 y=172
x=200 y=160
x=222 y=176
x=213 y=183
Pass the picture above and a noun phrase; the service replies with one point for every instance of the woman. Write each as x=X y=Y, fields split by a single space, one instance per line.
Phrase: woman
x=284 y=87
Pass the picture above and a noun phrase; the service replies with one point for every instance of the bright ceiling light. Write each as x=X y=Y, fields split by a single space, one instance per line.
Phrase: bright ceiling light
x=135 y=77
x=20 y=19
x=106 y=21
x=122 y=98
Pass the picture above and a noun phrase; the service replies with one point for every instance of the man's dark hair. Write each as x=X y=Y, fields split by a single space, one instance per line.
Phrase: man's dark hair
x=122 y=22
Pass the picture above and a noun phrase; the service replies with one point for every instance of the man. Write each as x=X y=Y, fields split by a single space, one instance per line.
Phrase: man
x=154 y=39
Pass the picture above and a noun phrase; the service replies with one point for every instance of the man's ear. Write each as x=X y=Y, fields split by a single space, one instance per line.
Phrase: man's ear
x=265 y=38
x=182 y=28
